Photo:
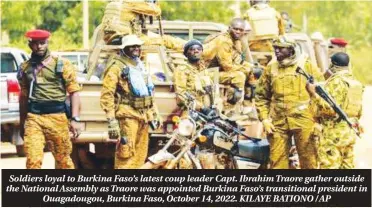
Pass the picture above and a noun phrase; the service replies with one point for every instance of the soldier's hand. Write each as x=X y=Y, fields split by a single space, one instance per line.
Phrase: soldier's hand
x=268 y=126
x=75 y=129
x=113 y=129
x=311 y=89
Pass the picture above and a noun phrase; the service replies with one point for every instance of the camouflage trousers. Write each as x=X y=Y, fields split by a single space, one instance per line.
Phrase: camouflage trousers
x=336 y=148
x=51 y=129
x=280 y=144
x=133 y=154
x=234 y=78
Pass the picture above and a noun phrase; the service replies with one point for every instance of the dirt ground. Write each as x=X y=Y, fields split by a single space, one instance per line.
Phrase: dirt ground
x=363 y=147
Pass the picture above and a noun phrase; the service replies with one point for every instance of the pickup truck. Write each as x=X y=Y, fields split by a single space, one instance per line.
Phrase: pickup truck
x=93 y=149
x=11 y=59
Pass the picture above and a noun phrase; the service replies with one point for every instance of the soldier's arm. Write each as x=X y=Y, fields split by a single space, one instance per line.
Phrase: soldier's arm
x=337 y=89
x=173 y=43
x=180 y=82
x=110 y=82
x=209 y=51
x=72 y=86
x=281 y=24
x=314 y=71
x=23 y=98
x=224 y=57
x=144 y=8
x=263 y=95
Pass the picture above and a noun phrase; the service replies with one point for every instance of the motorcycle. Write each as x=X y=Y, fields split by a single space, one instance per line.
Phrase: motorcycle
x=183 y=140
x=208 y=140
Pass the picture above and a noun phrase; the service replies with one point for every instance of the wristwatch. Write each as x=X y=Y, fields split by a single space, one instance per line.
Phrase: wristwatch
x=75 y=118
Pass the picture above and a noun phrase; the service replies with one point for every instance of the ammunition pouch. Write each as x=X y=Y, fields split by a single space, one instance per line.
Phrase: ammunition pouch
x=138 y=102
x=48 y=107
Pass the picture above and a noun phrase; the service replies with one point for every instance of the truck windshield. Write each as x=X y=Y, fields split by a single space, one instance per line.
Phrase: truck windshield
x=154 y=64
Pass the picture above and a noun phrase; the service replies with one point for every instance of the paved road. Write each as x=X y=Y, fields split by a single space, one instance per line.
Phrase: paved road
x=363 y=148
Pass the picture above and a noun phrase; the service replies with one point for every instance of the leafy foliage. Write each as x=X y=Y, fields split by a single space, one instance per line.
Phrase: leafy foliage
x=348 y=19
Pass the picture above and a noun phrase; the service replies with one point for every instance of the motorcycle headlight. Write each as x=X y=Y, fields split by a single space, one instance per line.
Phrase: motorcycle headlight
x=186 y=127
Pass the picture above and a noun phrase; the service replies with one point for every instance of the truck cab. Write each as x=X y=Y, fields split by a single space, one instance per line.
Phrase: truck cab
x=11 y=59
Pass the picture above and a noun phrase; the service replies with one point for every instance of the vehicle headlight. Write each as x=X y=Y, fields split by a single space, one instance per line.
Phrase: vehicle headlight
x=186 y=127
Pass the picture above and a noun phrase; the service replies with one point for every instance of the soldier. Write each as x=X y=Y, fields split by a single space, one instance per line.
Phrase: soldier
x=225 y=50
x=130 y=19
x=127 y=17
x=283 y=106
x=266 y=25
x=336 y=45
x=127 y=99
x=123 y=18
x=336 y=148
x=287 y=22
x=44 y=81
x=192 y=77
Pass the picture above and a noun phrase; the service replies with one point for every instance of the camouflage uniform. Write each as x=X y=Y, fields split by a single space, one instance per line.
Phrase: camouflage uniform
x=281 y=95
x=222 y=51
x=264 y=45
x=124 y=18
x=192 y=79
x=165 y=40
x=336 y=148
x=52 y=128
x=133 y=122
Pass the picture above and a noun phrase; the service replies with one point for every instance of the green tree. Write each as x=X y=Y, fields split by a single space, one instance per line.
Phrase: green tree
x=217 y=11
x=54 y=14
x=16 y=21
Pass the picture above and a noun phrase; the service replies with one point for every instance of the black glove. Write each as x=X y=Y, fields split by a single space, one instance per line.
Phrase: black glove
x=113 y=129
x=210 y=112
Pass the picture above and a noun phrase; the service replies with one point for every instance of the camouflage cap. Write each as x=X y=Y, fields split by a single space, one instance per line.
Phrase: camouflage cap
x=284 y=42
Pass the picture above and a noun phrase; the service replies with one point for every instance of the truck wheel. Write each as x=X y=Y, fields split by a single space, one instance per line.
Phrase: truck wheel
x=20 y=151
x=81 y=157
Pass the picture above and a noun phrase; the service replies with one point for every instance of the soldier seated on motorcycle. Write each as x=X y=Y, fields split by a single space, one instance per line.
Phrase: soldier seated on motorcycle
x=127 y=99
x=193 y=78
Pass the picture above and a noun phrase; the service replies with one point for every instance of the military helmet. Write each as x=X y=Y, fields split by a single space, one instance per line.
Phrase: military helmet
x=340 y=59
x=130 y=40
x=189 y=44
x=284 y=42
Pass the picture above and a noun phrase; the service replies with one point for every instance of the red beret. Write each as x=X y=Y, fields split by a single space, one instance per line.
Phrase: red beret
x=37 y=35
x=339 y=41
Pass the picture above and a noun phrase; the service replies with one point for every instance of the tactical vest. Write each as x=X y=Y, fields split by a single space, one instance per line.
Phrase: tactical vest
x=263 y=22
x=132 y=97
x=48 y=84
x=117 y=18
x=201 y=83
x=352 y=105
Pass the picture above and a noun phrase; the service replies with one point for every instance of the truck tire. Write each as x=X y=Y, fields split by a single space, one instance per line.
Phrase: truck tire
x=20 y=150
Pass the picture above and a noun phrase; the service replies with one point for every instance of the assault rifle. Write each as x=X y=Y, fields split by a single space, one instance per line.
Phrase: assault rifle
x=324 y=94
